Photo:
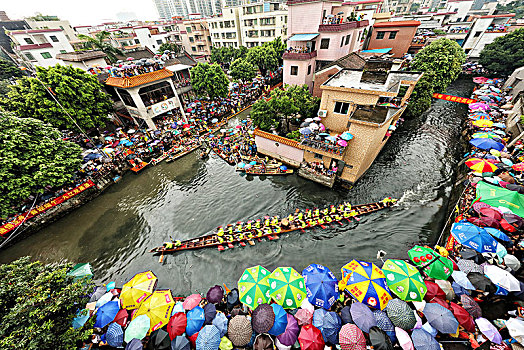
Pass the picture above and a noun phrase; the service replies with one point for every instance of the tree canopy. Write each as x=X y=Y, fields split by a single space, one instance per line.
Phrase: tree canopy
x=32 y=156
x=264 y=57
x=37 y=305
x=79 y=93
x=225 y=55
x=170 y=46
x=209 y=79
x=278 y=46
x=102 y=42
x=9 y=70
x=505 y=54
x=242 y=70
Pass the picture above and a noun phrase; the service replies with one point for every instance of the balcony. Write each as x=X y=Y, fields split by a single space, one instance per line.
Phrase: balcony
x=310 y=174
x=323 y=148
x=34 y=46
x=339 y=27
x=299 y=56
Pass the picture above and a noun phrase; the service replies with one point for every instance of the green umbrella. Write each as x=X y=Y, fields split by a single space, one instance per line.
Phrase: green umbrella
x=287 y=287
x=404 y=280
x=137 y=328
x=80 y=271
x=253 y=286
x=433 y=264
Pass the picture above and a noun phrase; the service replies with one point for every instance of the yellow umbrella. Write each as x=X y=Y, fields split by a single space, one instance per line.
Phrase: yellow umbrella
x=137 y=290
x=157 y=307
x=483 y=123
x=480 y=165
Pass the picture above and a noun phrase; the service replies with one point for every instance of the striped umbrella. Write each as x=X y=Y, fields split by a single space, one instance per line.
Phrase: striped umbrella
x=239 y=330
x=480 y=165
x=366 y=283
x=401 y=314
x=404 y=280
x=254 y=287
x=351 y=338
x=115 y=335
x=208 y=338
x=287 y=287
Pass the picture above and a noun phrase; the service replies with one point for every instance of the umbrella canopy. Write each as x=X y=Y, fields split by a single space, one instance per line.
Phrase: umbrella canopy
x=463 y=317
x=287 y=287
x=346 y=136
x=468 y=266
x=500 y=197
x=177 y=325
x=483 y=123
x=404 y=280
x=221 y=322
x=159 y=340
x=384 y=323
x=290 y=335
x=400 y=314
x=351 y=338
x=489 y=330
x=310 y=338
x=137 y=289
x=434 y=291
x=481 y=282
x=215 y=294
x=115 y=335
x=497 y=234
x=225 y=344
x=447 y=288
x=81 y=318
x=321 y=285
x=180 y=343
x=195 y=320
x=81 y=271
x=474 y=237
x=157 y=307
x=208 y=338
x=480 y=165
x=303 y=317
x=516 y=329
x=345 y=315
x=263 y=318
x=121 y=317
x=440 y=318
x=363 y=317
x=280 y=323
x=433 y=264
x=471 y=306
x=135 y=344
x=502 y=278
x=366 y=283
x=462 y=280
x=404 y=340
x=137 y=328
x=422 y=340
x=263 y=342
x=512 y=262
x=329 y=325
x=192 y=301
x=486 y=144
x=106 y=313
x=253 y=286
x=239 y=330
x=210 y=311
x=379 y=339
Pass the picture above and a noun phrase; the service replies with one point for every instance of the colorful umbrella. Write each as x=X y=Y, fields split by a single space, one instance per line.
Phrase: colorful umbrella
x=253 y=286
x=321 y=285
x=81 y=318
x=475 y=237
x=351 y=338
x=480 y=165
x=280 y=323
x=329 y=325
x=433 y=264
x=483 y=123
x=157 y=307
x=208 y=338
x=215 y=294
x=177 y=325
x=502 y=278
x=366 y=283
x=310 y=338
x=191 y=301
x=137 y=290
x=195 y=320
x=287 y=287
x=404 y=339
x=462 y=280
x=404 y=280
x=471 y=306
x=303 y=317
x=290 y=335
x=106 y=313
x=137 y=328
x=180 y=343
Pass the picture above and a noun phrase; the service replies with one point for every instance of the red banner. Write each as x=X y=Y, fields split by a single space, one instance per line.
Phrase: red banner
x=454 y=98
x=11 y=225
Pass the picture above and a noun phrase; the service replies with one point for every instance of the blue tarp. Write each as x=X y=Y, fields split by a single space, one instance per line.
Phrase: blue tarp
x=378 y=50
x=303 y=37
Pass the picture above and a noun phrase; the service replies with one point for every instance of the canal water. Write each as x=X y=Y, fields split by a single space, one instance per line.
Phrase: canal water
x=191 y=197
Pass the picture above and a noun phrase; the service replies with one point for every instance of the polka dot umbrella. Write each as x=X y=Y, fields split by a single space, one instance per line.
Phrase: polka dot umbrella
x=287 y=287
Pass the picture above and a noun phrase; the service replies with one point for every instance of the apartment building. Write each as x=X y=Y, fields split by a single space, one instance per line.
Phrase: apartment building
x=261 y=22
x=196 y=38
x=484 y=30
x=54 y=24
x=225 y=29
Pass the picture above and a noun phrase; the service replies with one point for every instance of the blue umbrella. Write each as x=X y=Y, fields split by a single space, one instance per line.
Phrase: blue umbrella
x=280 y=323
x=346 y=136
x=195 y=320
x=115 y=335
x=321 y=285
x=499 y=125
x=178 y=308
x=497 y=234
x=484 y=143
x=384 y=323
x=80 y=320
x=362 y=317
x=474 y=237
x=253 y=162
x=332 y=325
x=458 y=289
x=283 y=168
x=110 y=285
x=422 y=340
x=305 y=131
x=462 y=280
x=180 y=343
x=345 y=315
x=106 y=313
x=135 y=344
x=440 y=318
x=208 y=338
x=331 y=138
x=210 y=311
x=241 y=165
x=221 y=322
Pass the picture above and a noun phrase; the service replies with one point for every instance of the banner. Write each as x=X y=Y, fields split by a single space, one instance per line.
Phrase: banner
x=452 y=98
x=11 y=225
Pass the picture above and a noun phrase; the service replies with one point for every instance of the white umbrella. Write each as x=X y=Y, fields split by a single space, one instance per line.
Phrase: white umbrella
x=516 y=329
x=313 y=126
x=404 y=339
x=130 y=131
x=462 y=280
x=308 y=120
x=419 y=305
x=512 y=262
x=317 y=119
x=447 y=288
x=502 y=278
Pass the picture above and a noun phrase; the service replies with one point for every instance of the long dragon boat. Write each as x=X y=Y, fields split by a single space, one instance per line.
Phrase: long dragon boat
x=257 y=171
x=272 y=231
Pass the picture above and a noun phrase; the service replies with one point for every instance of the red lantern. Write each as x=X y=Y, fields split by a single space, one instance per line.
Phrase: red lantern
x=423 y=258
x=429 y=256
x=416 y=259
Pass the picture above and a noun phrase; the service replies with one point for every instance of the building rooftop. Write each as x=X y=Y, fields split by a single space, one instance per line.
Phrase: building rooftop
x=353 y=60
x=35 y=31
x=380 y=81
x=396 y=24
x=79 y=56
x=137 y=54
x=373 y=114
x=138 y=80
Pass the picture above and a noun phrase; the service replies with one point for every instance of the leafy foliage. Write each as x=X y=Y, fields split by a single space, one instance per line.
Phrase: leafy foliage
x=264 y=57
x=242 y=70
x=294 y=135
x=225 y=55
x=170 y=46
x=79 y=93
x=505 y=54
x=516 y=7
x=102 y=42
x=32 y=156
x=9 y=70
x=278 y=46
x=209 y=79
x=262 y=115
x=420 y=99
x=37 y=305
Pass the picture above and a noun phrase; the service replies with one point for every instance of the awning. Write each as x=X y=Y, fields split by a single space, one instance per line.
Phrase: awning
x=178 y=67
x=377 y=50
x=303 y=37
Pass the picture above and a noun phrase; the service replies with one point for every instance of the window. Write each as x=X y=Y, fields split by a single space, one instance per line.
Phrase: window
x=54 y=38
x=477 y=34
x=188 y=29
x=191 y=39
x=318 y=156
x=380 y=35
x=342 y=41
x=46 y=55
x=324 y=44
x=29 y=56
x=61 y=27
x=348 y=37
x=137 y=41
x=159 y=42
x=193 y=48
x=294 y=70
x=156 y=93
x=29 y=41
x=309 y=70
x=392 y=35
x=467 y=51
x=341 y=108
x=63 y=51
x=402 y=91
x=126 y=97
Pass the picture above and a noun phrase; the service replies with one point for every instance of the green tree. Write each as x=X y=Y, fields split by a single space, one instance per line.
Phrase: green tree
x=217 y=55
x=170 y=46
x=505 y=54
x=306 y=103
x=209 y=79
x=263 y=57
x=516 y=7
x=32 y=156
x=420 y=99
x=102 y=42
x=444 y=58
x=278 y=46
x=37 y=305
x=9 y=70
x=263 y=116
x=79 y=93
x=242 y=70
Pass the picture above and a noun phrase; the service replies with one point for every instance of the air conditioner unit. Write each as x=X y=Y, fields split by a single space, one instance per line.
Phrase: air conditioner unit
x=322 y=113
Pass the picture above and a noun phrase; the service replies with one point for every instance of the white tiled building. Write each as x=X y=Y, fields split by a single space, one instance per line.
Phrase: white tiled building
x=63 y=25
x=484 y=31
x=225 y=30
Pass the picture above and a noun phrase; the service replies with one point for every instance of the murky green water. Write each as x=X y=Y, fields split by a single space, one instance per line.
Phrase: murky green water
x=191 y=197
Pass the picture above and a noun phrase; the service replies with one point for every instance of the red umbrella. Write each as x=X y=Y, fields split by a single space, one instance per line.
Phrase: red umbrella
x=463 y=317
x=479 y=205
x=441 y=302
x=121 y=317
x=191 y=301
x=507 y=226
x=310 y=338
x=351 y=338
x=434 y=291
x=490 y=222
x=177 y=325
x=303 y=317
x=193 y=339
x=491 y=213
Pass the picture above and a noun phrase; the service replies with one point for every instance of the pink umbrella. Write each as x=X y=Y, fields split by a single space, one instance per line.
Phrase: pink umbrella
x=238 y=126
x=492 y=213
x=351 y=338
x=130 y=59
x=479 y=105
x=342 y=143
x=479 y=205
x=192 y=301
x=303 y=317
x=322 y=127
x=404 y=339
